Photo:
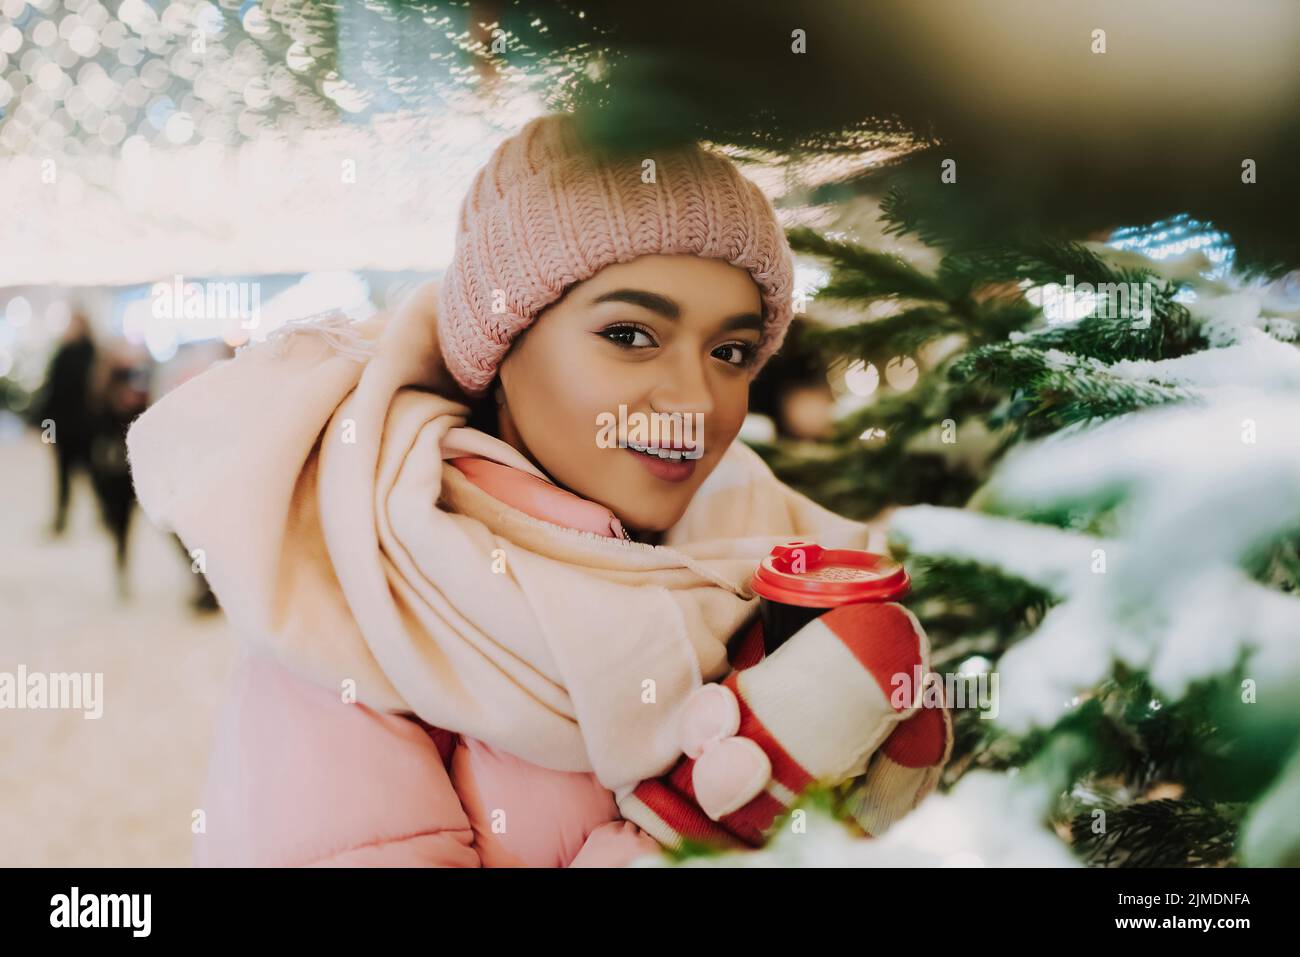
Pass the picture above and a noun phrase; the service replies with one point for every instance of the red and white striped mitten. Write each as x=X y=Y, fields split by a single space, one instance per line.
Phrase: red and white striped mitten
x=905 y=769
x=815 y=711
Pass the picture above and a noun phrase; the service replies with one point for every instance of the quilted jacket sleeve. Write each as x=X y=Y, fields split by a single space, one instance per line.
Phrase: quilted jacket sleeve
x=299 y=778
x=616 y=844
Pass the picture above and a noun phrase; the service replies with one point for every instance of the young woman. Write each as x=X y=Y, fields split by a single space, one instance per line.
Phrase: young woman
x=488 y=621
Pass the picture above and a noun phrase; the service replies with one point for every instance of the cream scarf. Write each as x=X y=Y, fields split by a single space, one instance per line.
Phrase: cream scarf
x=307 y=475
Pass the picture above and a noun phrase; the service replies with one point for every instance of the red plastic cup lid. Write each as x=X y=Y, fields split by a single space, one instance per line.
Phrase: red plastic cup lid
x=801 y=573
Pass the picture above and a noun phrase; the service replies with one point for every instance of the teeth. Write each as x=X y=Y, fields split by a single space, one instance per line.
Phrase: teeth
x=669 y=454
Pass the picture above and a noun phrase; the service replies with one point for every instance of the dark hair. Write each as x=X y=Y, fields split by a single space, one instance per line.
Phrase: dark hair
x=483 y=412
x=797 y=363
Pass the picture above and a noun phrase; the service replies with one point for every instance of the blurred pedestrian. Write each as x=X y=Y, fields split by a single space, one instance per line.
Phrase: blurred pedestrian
x=120 y=393
x=64 y=413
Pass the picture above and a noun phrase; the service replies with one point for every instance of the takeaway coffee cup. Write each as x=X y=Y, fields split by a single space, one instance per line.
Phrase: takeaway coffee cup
x=798 y=581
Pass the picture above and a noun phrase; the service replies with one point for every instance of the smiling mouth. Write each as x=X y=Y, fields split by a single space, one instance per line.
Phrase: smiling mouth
x=673 y=453
x=665 y=464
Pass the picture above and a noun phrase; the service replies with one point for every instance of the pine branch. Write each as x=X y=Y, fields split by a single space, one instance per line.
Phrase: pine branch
x=1062 y=388
x=1155 y=740
x=1038 y=260
x=1173 y=776
x=864 y=274
x=1169 y=331
x=986 y=599
x=904 y=216
x=1070 y=396
x=899 y=334
x=1164 y=833
x=1276 y=563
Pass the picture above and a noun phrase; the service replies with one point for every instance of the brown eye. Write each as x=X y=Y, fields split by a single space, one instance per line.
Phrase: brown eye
x=626 y=336
x=742 y=353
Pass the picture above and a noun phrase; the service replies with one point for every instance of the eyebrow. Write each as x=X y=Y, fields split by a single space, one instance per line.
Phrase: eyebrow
x=670 y=310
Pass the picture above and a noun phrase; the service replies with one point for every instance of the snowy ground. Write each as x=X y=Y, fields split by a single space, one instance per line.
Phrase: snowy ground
x=117 y=791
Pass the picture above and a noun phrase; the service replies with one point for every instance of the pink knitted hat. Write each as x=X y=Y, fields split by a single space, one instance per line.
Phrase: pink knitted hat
x=545 y=212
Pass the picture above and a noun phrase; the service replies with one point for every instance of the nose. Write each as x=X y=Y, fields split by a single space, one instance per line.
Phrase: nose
x=682 y=386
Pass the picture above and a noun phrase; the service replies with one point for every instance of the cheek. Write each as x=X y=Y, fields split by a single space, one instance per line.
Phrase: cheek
x=731 y=405
x=580 y=393
x=558 y=418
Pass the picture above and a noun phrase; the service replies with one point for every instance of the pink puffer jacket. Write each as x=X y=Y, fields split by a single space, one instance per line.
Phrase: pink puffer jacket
x=299 y=777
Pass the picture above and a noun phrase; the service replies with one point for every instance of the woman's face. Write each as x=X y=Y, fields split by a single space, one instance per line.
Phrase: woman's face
x=659 y=335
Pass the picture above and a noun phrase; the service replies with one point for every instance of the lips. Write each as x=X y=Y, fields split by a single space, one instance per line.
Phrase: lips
x=669 y=470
